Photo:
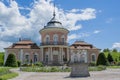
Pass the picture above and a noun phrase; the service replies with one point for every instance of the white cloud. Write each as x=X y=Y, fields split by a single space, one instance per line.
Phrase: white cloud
x=4 y=44
x=77 y=36
x=15 y=25
x=116 y=45
x=96 y=31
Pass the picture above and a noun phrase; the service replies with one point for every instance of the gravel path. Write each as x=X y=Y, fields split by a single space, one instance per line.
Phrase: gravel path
x=109 y=74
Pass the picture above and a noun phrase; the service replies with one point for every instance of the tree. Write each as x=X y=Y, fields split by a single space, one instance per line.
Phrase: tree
x=106 y=50
x=114 y=50
x=102 y=60
x=11 y=61
x=110 y=58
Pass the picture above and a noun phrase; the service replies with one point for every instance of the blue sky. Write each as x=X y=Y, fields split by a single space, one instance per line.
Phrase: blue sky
x=94 y=21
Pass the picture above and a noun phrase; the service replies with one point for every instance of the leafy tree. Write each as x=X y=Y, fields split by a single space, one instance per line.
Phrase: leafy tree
x=106 y=50
x=11 y=61
x=110 y=58
x=114 y=50
x=102 y=60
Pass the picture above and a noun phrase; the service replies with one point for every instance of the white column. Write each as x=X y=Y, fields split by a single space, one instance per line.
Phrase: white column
x=86 y=55
x=21 y=55
x=67 y=54
x=51 y=53
x=5 y=56
x=62 y=54
x=42 y=54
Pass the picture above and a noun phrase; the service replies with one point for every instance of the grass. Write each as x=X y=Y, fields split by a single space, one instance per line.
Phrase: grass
x=6 y=74
x=114 y=67
x=97 y=68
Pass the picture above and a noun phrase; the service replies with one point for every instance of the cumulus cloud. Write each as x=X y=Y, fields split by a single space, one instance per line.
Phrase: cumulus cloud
x=116 y=45
x=4 y=44
x=78 y=36
x=96 y=31
x=15 y=25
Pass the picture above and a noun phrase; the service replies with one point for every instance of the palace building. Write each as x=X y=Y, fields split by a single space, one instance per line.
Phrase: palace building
x=54 y=48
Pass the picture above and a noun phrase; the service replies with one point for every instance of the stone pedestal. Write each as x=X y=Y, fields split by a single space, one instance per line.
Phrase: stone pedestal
x=79 y=70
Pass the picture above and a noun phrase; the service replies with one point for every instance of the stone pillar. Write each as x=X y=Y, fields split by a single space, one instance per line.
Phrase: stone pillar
x=5 y=56
x=60 y=57
x=62 y=54
x=21 y=56
x=42 y=54
x=51 y=54
x=86 y=57
x=67 y=54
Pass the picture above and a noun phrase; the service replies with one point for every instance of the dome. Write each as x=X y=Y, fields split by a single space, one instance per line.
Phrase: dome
x=53 y=23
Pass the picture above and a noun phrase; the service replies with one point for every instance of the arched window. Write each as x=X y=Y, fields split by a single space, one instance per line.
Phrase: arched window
x=63 y=38
x=35 y=58
x=47 y=39
x=93 y=57
x=46 y=58
x=55 y=38
x=27 y=59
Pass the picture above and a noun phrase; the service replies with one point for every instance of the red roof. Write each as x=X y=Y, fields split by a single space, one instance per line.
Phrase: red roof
x=24 y=44
x=82 y=45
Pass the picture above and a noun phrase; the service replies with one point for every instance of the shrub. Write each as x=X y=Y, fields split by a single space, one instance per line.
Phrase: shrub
x=11 y=61
x=118 y=63
x=101 y=67
x=92 y=64
x=98 y=68
x=102 y=60
x=19 y=63
x=110 y=58
x=54 y=69
x=39 y=64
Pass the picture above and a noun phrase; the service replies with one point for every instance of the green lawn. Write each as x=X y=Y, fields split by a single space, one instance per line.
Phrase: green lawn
x=5 y=74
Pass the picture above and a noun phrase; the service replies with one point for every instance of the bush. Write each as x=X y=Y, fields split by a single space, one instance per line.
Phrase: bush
x=102 y=60
x=54 y=69
x=98 y=68
x=11 y=61
x=110 y=58
x=118 y=63
x=92 y=64
x=39 y=64
x=19 y=63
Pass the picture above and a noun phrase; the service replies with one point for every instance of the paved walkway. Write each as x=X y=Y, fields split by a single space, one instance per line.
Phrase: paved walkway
x=109 y=74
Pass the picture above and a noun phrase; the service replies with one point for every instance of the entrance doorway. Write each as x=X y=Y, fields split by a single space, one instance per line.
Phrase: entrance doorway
x=55 y=57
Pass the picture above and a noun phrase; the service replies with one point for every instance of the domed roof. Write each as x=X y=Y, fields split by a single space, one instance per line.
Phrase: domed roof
x=53 y=22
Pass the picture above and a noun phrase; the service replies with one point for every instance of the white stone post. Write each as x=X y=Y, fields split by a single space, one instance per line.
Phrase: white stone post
x=51 y=54
x=67 y=54
x=21 y=56
x=60 y=59
x=42 y=53
x=5 y=56
x=86 y=56
x=62 y=55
